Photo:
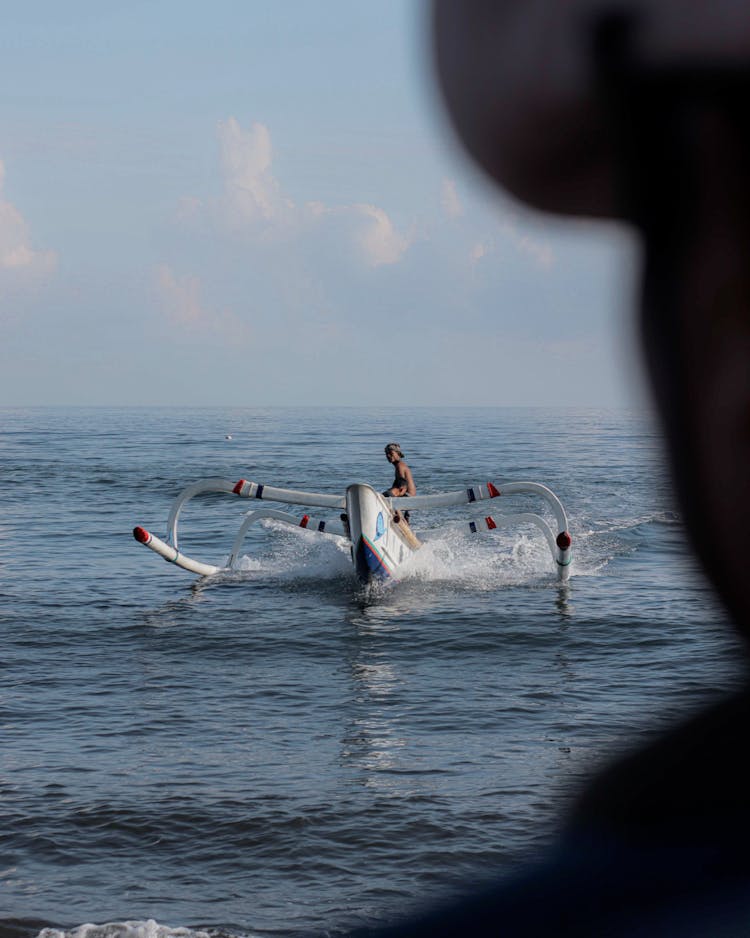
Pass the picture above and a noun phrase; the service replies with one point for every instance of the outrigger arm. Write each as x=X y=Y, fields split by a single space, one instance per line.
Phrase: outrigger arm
x=559 y=542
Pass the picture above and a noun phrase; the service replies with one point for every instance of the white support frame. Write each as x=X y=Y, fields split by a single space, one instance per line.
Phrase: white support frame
x=559 y=542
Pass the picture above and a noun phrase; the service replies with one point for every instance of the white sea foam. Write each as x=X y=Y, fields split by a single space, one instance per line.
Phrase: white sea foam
x=134 y=929
x=482 y=563
x=447 y=556
x=245 y=564
x=297 y=552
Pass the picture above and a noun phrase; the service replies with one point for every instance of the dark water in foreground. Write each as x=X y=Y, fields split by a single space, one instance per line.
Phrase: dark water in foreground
x=275 y=752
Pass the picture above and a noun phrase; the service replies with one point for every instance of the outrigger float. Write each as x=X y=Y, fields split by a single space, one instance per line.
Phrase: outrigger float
x=378 y=534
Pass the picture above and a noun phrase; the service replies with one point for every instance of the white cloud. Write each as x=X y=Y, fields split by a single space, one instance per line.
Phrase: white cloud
x=526 y=236
x=252 y=193
x=492 y=228
x=477 y=252
x=185 y=310
x=380 y=241
x=255 y=204
x=539 y=251
x=15 y=240
x=449 y=199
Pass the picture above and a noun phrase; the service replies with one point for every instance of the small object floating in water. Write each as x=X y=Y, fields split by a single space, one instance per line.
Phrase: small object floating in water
x=379 y=537
x=228 y=436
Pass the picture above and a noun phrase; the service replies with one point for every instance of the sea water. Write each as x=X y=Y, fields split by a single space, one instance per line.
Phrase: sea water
x=276 y=751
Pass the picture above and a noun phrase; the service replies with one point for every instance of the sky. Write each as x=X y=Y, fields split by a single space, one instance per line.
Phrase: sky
x=262 y=203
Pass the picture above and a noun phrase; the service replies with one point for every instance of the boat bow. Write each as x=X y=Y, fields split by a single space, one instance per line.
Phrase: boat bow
x=381 y=539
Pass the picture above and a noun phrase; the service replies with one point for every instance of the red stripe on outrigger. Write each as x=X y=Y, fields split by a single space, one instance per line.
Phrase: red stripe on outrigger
x=492 y=490
x=238 y=488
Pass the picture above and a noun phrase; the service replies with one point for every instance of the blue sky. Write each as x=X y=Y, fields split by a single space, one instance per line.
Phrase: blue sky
x=261 y=203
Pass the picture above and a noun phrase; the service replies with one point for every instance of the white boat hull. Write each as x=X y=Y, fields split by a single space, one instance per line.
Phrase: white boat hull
x=379 y=543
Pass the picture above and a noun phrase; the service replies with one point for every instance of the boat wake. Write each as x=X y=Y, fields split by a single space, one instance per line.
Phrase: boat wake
x=450 y=558
x=603 y=542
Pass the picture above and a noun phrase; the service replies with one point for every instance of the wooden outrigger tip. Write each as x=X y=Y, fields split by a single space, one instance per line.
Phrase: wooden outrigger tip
x=379 y=537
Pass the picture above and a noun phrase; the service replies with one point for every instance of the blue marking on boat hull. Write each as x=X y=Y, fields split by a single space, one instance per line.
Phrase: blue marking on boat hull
x=368 y=562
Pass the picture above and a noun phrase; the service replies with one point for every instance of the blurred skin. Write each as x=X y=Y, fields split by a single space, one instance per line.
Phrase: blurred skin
x=637 y=111
x=525 y=92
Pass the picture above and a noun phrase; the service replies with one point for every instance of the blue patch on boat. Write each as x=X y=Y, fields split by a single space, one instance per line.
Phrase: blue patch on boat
x=379 y=526
x=368 y=563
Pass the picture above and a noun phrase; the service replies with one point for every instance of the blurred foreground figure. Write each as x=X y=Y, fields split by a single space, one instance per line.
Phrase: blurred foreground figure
x=638 y=111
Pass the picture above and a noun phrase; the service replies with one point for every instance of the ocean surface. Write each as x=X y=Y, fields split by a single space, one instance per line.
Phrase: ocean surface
x=276 y=751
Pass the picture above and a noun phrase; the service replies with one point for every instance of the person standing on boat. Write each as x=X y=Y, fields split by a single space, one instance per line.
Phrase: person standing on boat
x=403 y=483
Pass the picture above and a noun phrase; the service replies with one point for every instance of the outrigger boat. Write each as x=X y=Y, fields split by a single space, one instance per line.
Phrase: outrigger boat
x=379 y=537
